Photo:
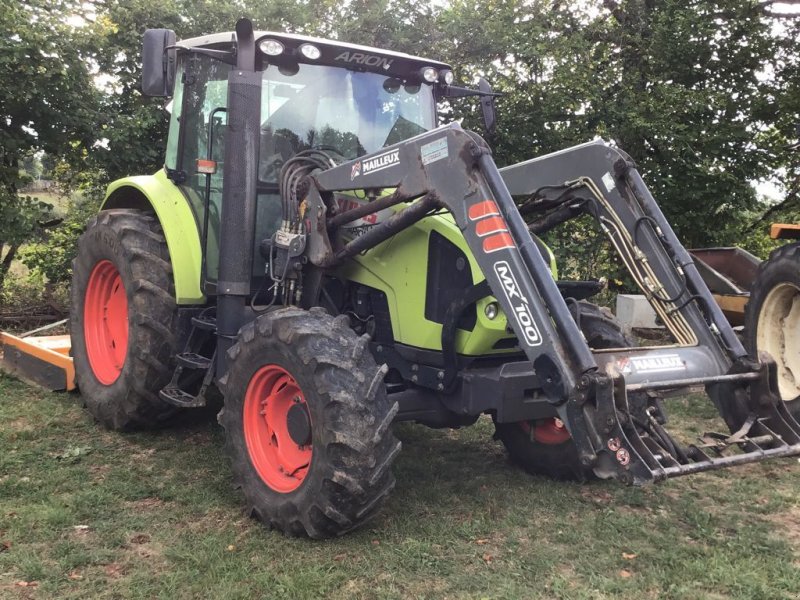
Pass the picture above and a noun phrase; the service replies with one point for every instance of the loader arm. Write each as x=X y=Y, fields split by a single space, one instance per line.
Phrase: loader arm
x=452 y=169
x=444 y=169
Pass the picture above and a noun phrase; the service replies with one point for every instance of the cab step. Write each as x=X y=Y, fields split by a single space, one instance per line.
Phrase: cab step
x=205 y=323
x=174 y=395
x=194 y=371
x=192 y=360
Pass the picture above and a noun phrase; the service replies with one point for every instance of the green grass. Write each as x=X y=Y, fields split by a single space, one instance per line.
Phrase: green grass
x=58 y=201
x=87 y=513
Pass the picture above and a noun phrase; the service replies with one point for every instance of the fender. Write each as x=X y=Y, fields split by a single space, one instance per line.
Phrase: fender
x=158 y=193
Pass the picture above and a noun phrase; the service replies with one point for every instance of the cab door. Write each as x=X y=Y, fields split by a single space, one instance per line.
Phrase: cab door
x=196 y=149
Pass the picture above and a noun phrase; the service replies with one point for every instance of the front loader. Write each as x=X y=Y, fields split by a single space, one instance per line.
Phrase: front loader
x=323 y=254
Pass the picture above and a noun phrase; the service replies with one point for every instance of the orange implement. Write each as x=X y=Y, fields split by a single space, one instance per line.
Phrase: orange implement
x=43 y=360
x=779 y=231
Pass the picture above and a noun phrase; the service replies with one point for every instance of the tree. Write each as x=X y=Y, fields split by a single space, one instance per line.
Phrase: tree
x=701 y=94
x=51 y=106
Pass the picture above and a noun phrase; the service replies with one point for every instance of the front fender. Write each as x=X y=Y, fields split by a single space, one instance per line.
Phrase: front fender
x=158 y=193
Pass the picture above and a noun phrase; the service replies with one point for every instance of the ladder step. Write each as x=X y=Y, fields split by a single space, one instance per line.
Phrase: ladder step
x=177 y=397
x=192 y=360
x=206 y=323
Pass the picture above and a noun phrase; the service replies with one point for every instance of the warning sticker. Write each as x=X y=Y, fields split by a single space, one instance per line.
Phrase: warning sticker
x=651 y=364
x=608 y=181
x=433 y=151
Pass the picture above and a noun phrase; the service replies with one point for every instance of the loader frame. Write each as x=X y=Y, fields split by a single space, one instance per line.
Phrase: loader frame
x=452 y=169
x=555 y=373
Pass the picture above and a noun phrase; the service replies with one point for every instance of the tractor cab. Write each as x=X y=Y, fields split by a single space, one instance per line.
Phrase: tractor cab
x=343 y=99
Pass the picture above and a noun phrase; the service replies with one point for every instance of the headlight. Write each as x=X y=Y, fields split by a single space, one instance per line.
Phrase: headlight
x=310 y=52
x=491 y=311
x=448 y=77
x=429 y=74
x=271 y=47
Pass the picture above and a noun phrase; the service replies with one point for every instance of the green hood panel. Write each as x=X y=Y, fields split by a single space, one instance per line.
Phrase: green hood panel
x=177 y=221
x=398 y=267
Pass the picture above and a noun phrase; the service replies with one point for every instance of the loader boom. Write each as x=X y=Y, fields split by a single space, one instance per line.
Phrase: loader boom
x=452 y=169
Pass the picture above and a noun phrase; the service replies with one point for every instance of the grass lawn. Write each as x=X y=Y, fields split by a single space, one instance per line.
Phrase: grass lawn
x=86 y=513
x=57 y=201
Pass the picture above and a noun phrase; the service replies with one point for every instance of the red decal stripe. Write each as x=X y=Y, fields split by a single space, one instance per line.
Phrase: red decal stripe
x=498 y=241
x=208 y=167
x=487 y=208
x=490 y=225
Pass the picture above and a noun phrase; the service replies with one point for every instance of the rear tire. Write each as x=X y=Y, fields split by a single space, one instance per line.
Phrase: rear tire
x=772 y=319
x=122 y=319
x=308 y=423
x=545 y=447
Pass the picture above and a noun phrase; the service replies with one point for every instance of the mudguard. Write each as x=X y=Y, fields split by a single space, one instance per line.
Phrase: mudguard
x=158 y=193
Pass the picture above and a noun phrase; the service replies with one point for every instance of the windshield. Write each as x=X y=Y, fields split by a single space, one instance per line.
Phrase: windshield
x=345 y=113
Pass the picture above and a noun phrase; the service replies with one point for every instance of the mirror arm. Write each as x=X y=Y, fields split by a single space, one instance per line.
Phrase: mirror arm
x=454 y=91
x=226 y=56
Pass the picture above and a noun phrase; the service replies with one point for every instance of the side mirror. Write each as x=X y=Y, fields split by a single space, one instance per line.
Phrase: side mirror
x=487 y=107
x=158 y=63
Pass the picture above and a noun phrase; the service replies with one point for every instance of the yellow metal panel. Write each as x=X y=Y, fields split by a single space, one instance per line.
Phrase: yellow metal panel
x=784 y=231
x=52 y=349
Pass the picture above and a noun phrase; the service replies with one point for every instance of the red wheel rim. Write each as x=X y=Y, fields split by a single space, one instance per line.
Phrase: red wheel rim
x=105 y=322
x=546 y=431
x=280 y=461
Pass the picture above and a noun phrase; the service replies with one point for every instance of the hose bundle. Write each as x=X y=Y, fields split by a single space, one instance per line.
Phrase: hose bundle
x=293 y=172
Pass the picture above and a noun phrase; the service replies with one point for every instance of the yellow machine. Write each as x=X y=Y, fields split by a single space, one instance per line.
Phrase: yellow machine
x=43 y=360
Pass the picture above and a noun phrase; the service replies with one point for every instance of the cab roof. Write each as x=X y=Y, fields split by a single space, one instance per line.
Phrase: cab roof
x=332 y=52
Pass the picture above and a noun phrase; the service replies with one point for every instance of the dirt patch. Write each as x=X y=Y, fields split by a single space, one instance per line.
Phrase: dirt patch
x=99 y=472
x=787 y=526
x=146 y=504
x=596 y=495
x=114 y=570
x=142 y=455
x=142 y=546
x=18 y=425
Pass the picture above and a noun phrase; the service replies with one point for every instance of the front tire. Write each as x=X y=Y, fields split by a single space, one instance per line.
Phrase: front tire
x=122 y=319
x=308 y=423
x=545 y=447
x=772 y=319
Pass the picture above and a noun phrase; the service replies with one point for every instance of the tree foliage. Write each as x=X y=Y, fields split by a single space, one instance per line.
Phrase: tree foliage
x=704 y=95
x=47 y=102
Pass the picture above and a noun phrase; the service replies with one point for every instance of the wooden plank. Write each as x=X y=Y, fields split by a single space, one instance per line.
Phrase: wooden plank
x=732 y=307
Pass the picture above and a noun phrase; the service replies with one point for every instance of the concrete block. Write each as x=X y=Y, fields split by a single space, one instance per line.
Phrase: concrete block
x=633 y=310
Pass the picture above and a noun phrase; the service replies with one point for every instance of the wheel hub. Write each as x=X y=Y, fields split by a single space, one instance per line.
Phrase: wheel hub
x=549 y=431
x=105 y=322
x=777 y=334
x=298 y=423
x=277 y=428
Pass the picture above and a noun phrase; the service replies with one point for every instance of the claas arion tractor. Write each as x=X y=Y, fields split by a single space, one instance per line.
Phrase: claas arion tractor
x=321 y=253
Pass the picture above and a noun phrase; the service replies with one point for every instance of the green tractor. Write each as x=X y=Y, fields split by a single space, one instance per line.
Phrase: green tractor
x=321 y=252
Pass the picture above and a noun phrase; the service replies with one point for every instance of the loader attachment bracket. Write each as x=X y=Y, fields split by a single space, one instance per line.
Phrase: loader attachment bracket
x=617 y=439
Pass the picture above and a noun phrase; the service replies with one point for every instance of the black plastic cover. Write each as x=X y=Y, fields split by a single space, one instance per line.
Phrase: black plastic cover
x=449 y=278
x=158 y=63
